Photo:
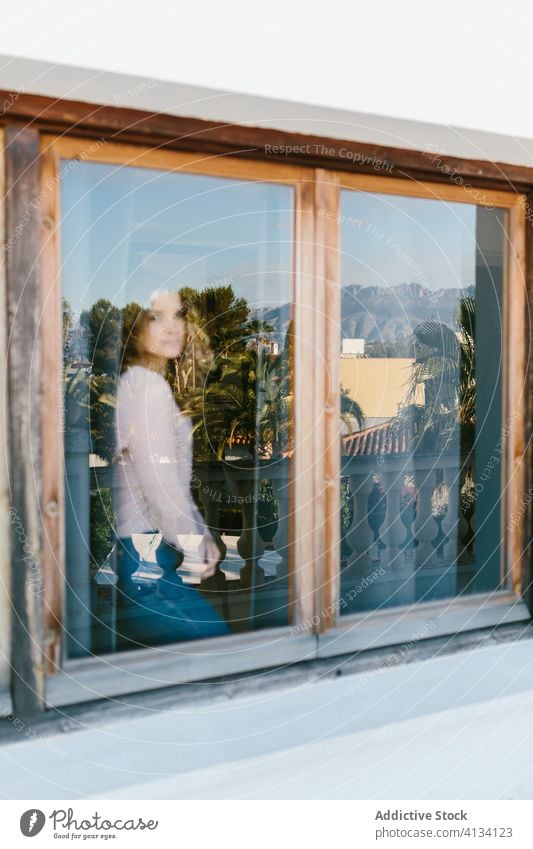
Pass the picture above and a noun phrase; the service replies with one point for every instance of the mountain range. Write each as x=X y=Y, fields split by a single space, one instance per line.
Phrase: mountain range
x=383 y=313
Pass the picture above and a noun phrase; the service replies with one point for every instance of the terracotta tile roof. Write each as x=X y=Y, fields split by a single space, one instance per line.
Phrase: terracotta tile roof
x=391 y=437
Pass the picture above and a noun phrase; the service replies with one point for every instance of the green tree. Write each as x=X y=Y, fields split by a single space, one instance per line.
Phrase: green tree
x=104 y=333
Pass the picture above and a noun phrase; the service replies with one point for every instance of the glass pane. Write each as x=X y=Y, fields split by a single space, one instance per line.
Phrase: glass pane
x=422 y=433
x=178 y=375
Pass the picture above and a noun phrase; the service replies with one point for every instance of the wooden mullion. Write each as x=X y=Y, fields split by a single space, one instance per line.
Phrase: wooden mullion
x=52 y=419
x=327 y=282
x=317 y=406
x=306 y=505
x=514 y=415
x=316 y=372
x=24 y=432
x=514 y=398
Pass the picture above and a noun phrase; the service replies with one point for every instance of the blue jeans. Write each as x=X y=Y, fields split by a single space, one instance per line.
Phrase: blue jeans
x=165 y=610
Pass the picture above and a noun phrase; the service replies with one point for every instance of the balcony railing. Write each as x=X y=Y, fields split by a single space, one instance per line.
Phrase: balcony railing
x=401 y=524
x=410 y=528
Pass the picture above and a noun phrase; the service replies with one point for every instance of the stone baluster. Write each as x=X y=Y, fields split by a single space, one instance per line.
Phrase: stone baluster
x=408 y=513
x=424 y=526
x=280 y=539
x=467 y=515
x=347 y=513
x=250 y=544
x=377 y=511
x=359 y=536
x=440 y=513
x=212 y=495
x=398 y=584
x=451 y=477
x=393 y=530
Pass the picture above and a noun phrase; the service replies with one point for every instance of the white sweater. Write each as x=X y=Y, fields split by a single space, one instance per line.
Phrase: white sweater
x=153 y=474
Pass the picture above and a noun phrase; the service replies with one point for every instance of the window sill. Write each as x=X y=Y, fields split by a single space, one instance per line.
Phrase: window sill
x=93 y=678
x=260 y=743
x=408 y=625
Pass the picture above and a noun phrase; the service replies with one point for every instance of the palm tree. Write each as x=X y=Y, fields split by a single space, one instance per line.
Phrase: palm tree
x=276 y=399
x=445 y=367
x=220 y=314
x=249 y=402
x=251 y=397
x=226 y=407
x=350 y=410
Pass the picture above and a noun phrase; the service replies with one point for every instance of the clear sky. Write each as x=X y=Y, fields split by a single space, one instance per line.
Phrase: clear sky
x=387 y=240
x=127 y=231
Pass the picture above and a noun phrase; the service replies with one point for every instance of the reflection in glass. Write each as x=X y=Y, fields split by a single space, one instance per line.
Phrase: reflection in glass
x=420 y=365
x=178 y=391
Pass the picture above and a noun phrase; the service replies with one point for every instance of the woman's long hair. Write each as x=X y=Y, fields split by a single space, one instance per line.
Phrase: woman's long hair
x=187 y=372
x=134 y=323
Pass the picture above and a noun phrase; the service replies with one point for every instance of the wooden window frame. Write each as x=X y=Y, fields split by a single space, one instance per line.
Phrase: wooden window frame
x=36 y=129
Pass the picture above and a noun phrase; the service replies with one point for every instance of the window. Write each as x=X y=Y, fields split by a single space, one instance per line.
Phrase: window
x=318 y=310
x=423 y=444
x=224 y=247
x=431 y=407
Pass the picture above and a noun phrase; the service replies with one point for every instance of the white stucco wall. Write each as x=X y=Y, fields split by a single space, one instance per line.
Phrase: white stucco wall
x=297 y=66
x=452 y=727
x=462 y=64
x=100 y=86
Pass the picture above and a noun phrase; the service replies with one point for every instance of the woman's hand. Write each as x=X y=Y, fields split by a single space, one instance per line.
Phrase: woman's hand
x=211 y=556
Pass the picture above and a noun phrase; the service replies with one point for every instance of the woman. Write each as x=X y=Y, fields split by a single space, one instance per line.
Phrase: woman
x=152 y=483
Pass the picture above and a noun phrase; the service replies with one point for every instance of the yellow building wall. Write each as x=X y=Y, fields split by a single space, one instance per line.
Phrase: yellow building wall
x=377 y=384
